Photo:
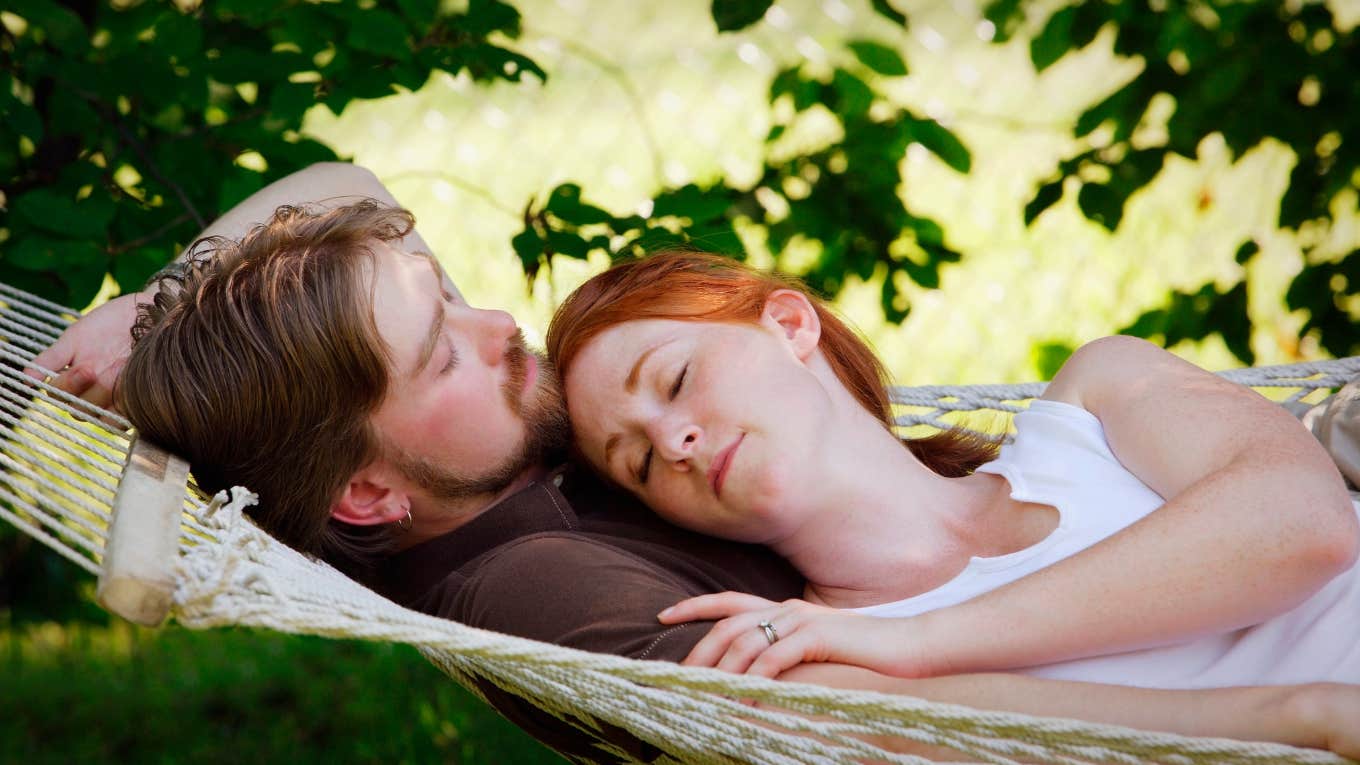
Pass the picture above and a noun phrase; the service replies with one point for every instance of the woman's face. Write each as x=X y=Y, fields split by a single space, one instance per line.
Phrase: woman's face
x=715 y=426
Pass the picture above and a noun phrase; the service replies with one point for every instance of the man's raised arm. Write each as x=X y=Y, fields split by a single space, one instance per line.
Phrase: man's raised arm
x=89 y=355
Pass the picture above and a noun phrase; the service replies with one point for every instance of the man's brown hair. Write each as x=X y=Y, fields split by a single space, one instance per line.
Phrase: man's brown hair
x=261 y=363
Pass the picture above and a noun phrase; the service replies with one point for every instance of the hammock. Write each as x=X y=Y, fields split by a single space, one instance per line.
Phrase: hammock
x=73 y=479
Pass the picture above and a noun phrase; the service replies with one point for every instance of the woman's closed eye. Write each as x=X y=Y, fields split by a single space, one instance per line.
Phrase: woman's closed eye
x=679 y=382
x=645 y=469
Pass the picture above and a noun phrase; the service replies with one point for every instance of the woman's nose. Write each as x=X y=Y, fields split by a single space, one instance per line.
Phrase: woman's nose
x=676 y=441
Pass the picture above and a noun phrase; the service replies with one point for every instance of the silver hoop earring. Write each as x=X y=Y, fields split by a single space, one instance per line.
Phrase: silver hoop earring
x=406 y=523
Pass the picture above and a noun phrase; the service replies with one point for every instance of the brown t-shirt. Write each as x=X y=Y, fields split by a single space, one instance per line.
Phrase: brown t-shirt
x=582 y=565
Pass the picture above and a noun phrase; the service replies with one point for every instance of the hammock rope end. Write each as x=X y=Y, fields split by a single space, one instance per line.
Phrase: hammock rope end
x=137 y=579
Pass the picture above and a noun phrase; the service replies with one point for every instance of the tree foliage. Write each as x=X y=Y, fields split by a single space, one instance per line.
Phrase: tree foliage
x=1248 y=71
x=841 y=197
x=128 y=126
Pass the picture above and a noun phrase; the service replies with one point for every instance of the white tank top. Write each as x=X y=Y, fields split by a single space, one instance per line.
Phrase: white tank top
x=1060 y=457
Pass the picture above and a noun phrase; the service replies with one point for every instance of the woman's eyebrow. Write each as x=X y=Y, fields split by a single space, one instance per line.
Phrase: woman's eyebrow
x=630 y=382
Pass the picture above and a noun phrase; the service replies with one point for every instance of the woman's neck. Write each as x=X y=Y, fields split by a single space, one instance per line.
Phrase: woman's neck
x=891 y=528
x=883 y=526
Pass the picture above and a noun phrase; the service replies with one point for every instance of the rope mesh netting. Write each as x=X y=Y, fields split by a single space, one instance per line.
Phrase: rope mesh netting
x=63 y=458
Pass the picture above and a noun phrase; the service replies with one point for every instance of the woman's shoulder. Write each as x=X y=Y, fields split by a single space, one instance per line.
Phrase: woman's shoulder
x=1102 y=365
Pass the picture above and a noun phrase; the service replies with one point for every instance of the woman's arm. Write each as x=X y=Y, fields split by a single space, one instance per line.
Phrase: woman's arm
x=90 y=353
x=1257 y=519
x=1318 y=715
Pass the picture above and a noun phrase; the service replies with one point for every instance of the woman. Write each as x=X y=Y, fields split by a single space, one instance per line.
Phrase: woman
x=735 y=404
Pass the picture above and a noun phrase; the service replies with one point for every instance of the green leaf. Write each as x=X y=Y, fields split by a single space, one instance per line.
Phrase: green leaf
x=852 y=96
x=565 y=203
x=1048 y=195
x=237 y=184
x=716 y=236
x=1102 y=204
x=530 y=247
x=894 y=304
x=878 y=57
x=61 y=214
x=884 y=9
x=39 y=252
x=1048 y=358
x=1055 y=40
x=420 y=12
x=571 y=245
x=179 y=36
x=1244 y=253
x=1005 y=16
x=63 y=28
x=805 y=92
x=251 y=10
x=731 y=15
x=690 y=201
x=132 y=269
x=379 y=32
x=942 y=144
x=17 y=115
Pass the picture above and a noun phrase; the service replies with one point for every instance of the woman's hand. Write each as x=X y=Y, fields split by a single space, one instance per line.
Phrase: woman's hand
x=88 y=356
x=803 y=632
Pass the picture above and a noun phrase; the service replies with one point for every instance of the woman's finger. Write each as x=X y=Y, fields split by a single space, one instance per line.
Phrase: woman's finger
x=716 y=606
x=743 y=651
x=784 y=654
x=712 y=647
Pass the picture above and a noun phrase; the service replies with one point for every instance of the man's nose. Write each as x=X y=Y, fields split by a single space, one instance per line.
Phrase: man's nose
x=494 y=330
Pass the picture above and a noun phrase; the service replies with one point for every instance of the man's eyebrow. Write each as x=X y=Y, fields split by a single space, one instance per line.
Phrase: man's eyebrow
x=431 y=339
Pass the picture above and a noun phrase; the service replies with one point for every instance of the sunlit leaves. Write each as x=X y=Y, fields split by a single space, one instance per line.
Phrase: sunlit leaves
x=1248 y=72
x=1191 y=316
x=1321 y=289
x=112 y=156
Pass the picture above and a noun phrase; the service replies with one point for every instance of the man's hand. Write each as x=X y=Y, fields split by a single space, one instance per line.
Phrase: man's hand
x=88 y=356
x=803 y=632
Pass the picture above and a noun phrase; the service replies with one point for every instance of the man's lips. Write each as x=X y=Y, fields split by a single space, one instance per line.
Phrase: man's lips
x=717 y=472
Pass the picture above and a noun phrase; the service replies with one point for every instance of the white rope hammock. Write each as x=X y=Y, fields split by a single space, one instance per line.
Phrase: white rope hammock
x=66 y=465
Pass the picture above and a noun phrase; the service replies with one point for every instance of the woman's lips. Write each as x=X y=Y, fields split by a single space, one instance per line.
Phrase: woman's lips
x=717 y=472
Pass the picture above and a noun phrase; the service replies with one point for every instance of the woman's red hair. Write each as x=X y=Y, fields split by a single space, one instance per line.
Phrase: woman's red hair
x=696 y=286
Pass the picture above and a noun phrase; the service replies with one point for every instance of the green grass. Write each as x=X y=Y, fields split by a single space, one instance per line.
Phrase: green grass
x=78 y=692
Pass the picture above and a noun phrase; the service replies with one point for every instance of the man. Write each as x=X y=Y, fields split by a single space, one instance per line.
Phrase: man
x=323 y=360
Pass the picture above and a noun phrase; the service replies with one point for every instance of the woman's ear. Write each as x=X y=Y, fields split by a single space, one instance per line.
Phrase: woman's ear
x=792 y=315
x=371 y=498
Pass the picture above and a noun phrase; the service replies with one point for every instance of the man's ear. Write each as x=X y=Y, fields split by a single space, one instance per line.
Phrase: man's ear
x=372 y=497
x=792 y=315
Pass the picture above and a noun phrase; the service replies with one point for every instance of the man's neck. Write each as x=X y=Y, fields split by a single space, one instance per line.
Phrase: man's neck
x=436 y=518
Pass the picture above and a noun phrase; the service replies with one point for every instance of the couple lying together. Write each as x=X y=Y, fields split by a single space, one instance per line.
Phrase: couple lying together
x=1181 y=546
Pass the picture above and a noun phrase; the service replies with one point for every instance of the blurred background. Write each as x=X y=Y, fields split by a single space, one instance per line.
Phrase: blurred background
x=980 y=186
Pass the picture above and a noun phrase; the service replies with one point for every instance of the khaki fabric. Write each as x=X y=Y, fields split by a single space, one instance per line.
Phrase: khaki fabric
x=1336 y=423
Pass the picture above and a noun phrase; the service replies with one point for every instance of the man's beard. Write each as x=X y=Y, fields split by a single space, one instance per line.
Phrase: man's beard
x=547 y=431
